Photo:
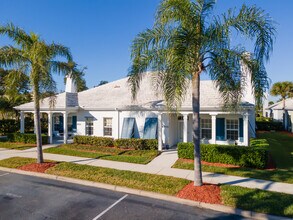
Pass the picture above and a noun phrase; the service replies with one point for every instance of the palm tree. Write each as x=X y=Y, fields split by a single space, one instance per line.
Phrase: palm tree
x=37 y=59
x=187 y=40
x=283 y=89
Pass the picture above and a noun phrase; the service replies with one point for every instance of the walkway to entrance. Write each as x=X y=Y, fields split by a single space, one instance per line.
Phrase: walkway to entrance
x=161 y=165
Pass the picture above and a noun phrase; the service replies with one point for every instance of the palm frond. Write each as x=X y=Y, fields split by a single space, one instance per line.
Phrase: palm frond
x=59 y=50
x=19 y=36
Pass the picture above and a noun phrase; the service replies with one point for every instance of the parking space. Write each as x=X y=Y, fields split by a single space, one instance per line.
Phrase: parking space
x=27 y=197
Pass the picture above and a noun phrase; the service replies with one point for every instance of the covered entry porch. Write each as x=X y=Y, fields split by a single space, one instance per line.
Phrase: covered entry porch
x=61 y=124
x=215 y=128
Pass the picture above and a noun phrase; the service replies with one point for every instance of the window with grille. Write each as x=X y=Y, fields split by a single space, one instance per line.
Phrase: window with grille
x=107 y=126
x=232 y=128
x=89 y=126
x=206 y=128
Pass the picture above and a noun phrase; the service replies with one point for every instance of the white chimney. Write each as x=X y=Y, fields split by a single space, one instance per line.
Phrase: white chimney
x=248 y=94
x=70 y=84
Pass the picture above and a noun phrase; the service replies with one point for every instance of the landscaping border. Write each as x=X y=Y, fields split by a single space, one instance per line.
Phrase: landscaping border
x=220 y=208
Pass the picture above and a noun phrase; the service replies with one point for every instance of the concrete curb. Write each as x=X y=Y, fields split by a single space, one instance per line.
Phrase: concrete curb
x=220 y=208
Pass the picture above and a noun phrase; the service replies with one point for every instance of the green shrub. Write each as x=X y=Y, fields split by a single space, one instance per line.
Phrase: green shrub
x=131 y=143
x=185 y=150
x=26 y=138
x=92 y=140
x=137 y=144
x=263 y=119
x=258 y=142
x=9 y=126
x=229 y=154
x=269 y=125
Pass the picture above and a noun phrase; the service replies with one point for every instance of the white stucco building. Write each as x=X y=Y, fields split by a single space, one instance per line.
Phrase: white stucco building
x=279 y=113
x=108 y=111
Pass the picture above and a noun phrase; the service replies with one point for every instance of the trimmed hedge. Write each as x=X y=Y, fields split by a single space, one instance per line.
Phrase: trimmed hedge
x=92 y=140
x=26 y=138
x=254 y=157
x=137 y=144
x=269 y=125
x=131 y=143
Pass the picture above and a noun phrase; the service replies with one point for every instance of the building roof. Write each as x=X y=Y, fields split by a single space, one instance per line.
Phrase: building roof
x=279 y=105
x=117 y=95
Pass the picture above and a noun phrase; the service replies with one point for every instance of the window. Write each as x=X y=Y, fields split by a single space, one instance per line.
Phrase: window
x=206 y=128
x=107 y=126
x=89 y=126
x=232 y=129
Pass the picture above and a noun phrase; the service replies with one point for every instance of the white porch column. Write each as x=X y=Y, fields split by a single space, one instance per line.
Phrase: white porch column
x=160 y=134
x=65 y=131
x=21 y=122
x=245 y=129
x=214 y=126
x=50 y=127
x=185 y=127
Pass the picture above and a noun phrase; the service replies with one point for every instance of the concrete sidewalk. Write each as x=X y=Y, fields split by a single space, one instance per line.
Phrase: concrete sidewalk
x=161 y=165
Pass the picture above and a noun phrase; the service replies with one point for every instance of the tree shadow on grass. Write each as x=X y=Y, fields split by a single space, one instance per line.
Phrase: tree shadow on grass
x=260 y=201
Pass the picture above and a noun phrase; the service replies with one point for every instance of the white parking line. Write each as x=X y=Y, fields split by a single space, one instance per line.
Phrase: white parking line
x=4 y=174
x=110 y=207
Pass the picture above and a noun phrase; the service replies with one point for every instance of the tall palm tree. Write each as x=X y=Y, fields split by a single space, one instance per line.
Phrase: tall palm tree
x=38 y=60
x=283 y=89
x=187 y=40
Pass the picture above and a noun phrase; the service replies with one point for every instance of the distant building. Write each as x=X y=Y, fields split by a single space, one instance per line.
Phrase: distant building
x=277 y=112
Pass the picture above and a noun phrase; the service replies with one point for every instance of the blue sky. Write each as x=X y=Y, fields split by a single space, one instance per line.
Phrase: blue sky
x=99 y=32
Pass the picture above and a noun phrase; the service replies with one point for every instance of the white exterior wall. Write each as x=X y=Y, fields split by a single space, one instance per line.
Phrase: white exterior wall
x=170 y=124
x=278 y=115
x=98 y=122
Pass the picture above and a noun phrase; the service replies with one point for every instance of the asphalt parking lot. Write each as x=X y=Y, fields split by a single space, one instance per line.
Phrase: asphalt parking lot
x=27 y=197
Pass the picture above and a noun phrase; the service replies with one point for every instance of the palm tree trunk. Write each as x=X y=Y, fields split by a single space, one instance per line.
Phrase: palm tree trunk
x=38 y=127
x=196 y=128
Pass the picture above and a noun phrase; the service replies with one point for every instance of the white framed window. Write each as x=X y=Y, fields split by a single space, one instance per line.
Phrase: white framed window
x=206 y=128
x=89 y=126
x=107 y=126
x=232 y=129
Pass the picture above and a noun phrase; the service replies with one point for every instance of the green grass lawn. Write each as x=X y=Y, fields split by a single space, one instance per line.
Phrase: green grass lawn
x=281 y=148
x=235 y=196
x=257 y=200
x=277 y=175
x=16 y=146
x=105 y=153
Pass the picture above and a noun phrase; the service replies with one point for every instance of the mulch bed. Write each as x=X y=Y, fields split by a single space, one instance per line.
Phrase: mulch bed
x=212 y=164
x=287 y=133
x=38 y=167
x=207 y=193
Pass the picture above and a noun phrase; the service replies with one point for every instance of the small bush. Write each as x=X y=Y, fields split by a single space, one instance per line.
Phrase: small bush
x=137 y=144
x=259 y=143
x=26 y=138
x=9 y=126
x=269 y=125
x=229 y=154
x=92 y=140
